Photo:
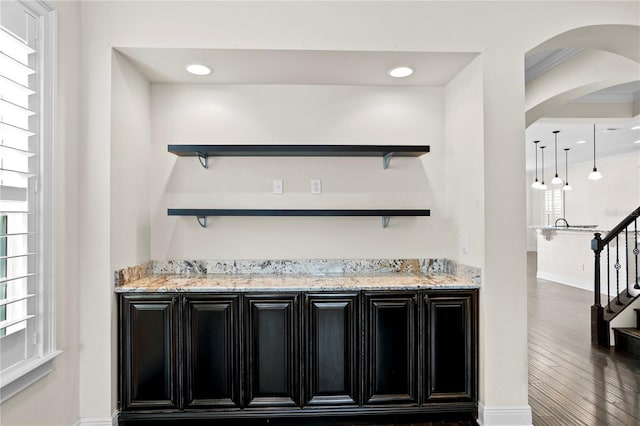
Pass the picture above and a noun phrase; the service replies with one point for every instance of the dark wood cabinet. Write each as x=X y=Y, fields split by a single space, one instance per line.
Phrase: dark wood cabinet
x=391 y=375
x=249 y=355
x=272 y=350
x=148 y=356
x=450 y=359
x=332 y=335
x=211 y=351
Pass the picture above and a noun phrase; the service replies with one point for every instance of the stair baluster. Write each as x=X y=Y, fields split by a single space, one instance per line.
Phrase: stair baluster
x=626 y=255
x=617 y=266
x=609 y=310
x=635 y=252
x=601 y=317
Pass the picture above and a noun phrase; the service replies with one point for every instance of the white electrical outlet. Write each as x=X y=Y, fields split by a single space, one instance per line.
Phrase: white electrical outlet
x=316 y=186
x=278 y=186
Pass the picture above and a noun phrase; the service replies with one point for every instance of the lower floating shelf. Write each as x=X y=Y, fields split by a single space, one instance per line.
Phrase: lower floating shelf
x=202 y=214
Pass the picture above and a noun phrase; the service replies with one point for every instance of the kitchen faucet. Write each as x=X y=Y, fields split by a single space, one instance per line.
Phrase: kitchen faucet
x=563 y=219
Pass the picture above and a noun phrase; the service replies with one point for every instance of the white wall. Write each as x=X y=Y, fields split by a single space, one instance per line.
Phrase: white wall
x=464 y=141
x=54 y=400
x=130 y=164
x=608 y=201
x=274 y=114
x=405 y=26
x=503 y=360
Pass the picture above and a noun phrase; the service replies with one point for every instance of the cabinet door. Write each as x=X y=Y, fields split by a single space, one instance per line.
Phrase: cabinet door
x=331 y=347
x=272 y=350
x=149 y=352
x=450 y=343
x=391 y=367
x=211 y=351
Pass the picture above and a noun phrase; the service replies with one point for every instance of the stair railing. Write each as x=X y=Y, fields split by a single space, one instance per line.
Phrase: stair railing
x=612 y=242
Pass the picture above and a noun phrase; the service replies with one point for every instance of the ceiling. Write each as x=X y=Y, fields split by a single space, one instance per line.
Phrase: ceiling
x=247 y=66
x=612 y=139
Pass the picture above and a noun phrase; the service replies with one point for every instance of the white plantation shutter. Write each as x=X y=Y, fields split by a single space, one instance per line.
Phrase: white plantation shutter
x=552 y=205
x=26 y=277
x=18 y=173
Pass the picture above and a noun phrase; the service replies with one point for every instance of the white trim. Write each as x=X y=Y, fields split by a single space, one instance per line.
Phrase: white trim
x=549 y=61
x=47 y=181
x=518 y=415
x=17 y=378
x=605 y=97
x=99 y=421
x=28 y=373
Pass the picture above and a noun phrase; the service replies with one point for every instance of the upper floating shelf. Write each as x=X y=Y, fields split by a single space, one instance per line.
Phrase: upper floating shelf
x=202 y=214
x=203 y=152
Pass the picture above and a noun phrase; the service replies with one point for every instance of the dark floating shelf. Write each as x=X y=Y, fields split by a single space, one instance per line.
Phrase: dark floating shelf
x=202 y=214
x=203 y=152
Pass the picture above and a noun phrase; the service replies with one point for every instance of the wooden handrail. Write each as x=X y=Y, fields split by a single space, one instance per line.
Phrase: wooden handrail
x=619 y=228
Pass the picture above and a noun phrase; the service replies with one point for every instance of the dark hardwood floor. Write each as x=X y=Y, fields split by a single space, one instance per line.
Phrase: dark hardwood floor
x=572 y=382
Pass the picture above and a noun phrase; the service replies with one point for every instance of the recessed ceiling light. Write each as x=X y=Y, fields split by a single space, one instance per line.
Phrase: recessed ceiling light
x=400 y=72
x=581 y=142
x=635 y=128
x=637 y=142
x=197 y=69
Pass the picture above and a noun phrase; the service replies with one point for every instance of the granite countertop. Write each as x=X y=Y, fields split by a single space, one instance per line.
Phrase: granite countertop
x=587 y=228
x=217 y=283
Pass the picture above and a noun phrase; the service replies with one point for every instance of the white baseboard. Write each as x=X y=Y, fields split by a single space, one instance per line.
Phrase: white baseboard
x=504 y=415
x=99 y=421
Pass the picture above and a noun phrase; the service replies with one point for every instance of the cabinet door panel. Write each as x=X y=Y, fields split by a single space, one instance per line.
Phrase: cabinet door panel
x=272 y=350
x=332 y=349
x=212 y=363
x=391 y=349
x=149 y=352
x=450 y=371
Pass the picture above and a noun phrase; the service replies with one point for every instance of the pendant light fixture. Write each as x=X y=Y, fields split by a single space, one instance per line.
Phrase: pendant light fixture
x=566 y=186
x=542 y=185
x=595 y=174
x=556 y=180
x=536 y=183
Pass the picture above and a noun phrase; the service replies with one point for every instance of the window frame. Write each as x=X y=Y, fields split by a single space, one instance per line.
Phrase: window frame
x=20 y=376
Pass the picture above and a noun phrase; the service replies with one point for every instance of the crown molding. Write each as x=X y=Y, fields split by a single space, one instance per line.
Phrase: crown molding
x=549 y=61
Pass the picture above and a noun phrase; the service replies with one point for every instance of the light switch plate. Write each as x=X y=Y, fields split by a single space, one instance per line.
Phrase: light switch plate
x=278 y=186
x=464 y=242
x=316 y=186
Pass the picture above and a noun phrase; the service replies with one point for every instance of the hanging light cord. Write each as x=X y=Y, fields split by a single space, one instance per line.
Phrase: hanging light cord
x=594 y=146
x=542 y=168
x=536 y=145
x=555 y=134
x=566 y=165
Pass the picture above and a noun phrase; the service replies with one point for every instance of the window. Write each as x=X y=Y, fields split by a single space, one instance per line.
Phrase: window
x=553 y=199
x=27 y=341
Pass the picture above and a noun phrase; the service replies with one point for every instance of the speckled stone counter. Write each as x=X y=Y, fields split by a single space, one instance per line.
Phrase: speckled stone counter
x=295 y=275
x=242 y=283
